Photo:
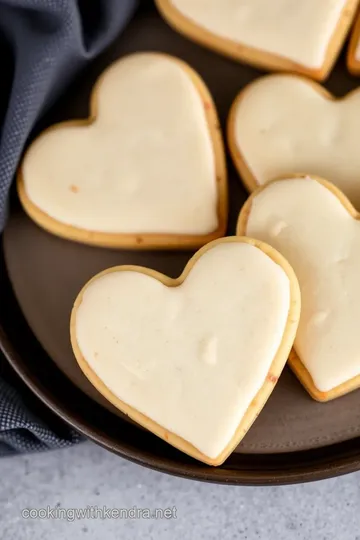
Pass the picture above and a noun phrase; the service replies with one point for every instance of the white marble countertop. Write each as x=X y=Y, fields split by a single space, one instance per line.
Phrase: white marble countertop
x=88 y=476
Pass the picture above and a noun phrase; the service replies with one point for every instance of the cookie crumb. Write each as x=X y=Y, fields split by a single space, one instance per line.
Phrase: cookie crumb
x=74 y=189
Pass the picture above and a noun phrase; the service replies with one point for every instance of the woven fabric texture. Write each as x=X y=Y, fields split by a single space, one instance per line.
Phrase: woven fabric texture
x=43 y=45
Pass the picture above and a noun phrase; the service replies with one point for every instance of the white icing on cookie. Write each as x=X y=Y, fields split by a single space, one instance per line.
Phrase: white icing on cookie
x=322 y=243
x=145 y=165
x=284 y=125
x=297 y=30
x=191 y=357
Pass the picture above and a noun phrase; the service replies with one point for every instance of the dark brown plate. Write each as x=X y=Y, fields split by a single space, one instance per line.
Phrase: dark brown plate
x=294 y=439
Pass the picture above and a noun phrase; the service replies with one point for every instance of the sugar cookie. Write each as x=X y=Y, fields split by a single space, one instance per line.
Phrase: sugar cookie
x=285 y=124
x=192 y=359
x=353 y=56
x=283 y=35
x=315 y=227
x=146 y=170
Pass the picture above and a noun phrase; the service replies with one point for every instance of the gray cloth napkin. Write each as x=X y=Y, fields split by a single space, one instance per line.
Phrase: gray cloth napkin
x=43 y=45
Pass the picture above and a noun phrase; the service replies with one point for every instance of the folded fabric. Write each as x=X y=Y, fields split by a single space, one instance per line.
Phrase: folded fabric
x=43 y=45
x=26 y=424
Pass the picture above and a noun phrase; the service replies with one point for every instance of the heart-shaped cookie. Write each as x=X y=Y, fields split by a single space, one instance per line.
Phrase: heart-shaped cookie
x=284 y=124
x=353 y=56
x=315 y=227
x=192 y=359
x=284 y=35
x=147 y=169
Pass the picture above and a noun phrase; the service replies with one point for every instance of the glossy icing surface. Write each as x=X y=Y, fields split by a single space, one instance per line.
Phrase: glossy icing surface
x=308 y=224
x=190 y=357
x=299 y=31
x=145 y=165
x=284 y=125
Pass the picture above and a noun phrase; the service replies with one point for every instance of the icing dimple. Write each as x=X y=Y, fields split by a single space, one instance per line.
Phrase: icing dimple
x=322 y=243
x=208 y=350
x=275 y=26
x=196 y=376
x=318 y=317
x=278 y=228
x=284 y=125
x=145 y=165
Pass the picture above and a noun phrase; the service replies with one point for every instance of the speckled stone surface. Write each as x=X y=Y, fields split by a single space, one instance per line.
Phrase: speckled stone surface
x=87 y=475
